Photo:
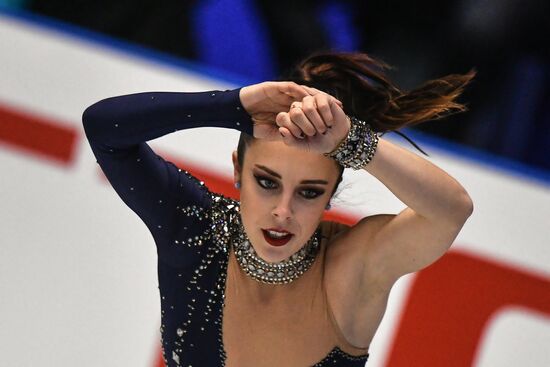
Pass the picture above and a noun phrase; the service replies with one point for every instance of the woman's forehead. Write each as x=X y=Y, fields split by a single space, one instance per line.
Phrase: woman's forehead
x=279 y=157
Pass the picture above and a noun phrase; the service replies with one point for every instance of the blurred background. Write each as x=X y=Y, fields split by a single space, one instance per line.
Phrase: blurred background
x=78 y=269
x=505 y=40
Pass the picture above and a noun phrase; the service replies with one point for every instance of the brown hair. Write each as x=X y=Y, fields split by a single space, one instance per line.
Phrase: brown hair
x=359 y=81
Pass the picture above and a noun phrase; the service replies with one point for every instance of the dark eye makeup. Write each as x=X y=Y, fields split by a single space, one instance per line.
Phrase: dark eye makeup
x=268 y=184
x=265 y=182
x=312 y=194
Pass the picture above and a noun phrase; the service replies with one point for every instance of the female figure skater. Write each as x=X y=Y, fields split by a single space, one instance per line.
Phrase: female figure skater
x=264 y=281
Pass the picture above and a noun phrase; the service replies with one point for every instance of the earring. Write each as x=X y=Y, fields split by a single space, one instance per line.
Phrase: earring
x=237 y=185
x=328 y=206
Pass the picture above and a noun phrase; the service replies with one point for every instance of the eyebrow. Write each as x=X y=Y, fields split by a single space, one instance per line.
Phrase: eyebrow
x=273 y=173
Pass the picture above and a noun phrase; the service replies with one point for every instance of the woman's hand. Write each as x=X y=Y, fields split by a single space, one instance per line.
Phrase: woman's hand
x=317 y=123
x=265 y=100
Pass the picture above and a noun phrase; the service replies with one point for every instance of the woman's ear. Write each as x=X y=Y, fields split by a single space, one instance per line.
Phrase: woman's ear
x=236 y=167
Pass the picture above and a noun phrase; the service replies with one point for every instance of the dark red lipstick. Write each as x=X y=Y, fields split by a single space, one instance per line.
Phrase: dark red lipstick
x=277 y=240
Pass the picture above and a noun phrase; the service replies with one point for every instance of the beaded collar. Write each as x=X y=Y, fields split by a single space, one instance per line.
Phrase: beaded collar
x=227 y=229
x=281 y=272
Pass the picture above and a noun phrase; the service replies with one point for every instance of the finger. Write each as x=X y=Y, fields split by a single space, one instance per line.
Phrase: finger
x=287 y=136
x=310 y=110
x=316 y=92
x=296 y=105
x=283 y=120
x=298 y=117
x=290 y=139
x=323 y=106
x=284 y=101
x=289 y=95
x=293 y=90
x=312 y=91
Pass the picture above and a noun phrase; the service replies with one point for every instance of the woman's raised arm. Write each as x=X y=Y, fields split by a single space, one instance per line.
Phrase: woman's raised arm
x=117 y=129
x=437 y=208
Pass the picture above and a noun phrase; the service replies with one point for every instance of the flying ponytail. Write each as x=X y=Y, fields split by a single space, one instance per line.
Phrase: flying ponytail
x=359 y=81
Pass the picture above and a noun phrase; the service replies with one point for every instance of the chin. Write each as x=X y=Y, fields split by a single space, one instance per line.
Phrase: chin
x=272 y=254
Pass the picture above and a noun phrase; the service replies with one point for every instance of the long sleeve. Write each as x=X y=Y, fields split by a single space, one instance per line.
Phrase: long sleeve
x=117 y=129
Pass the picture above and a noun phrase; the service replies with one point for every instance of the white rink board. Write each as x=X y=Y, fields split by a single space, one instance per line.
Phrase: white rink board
x=78 y=269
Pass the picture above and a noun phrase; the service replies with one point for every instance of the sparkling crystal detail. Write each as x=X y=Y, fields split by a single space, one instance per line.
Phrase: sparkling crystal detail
x=175 y=357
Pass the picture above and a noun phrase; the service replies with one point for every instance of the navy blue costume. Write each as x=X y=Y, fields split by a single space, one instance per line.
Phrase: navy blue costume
x=189 y=224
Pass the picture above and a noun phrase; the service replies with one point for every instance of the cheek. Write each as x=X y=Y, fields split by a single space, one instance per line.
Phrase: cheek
x=315 y=214
x=250 y=196
x=253 y=204
x=307 y=216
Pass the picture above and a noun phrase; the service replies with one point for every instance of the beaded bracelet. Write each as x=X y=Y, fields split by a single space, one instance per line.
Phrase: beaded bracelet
x=358 y=148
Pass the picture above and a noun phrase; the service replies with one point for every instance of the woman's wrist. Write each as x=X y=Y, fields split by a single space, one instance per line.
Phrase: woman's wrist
x=250 y=96
x=244 y=97
x=358 y=147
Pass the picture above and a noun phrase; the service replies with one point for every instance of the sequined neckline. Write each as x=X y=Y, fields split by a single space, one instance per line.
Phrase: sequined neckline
x=228 y=232
x=336 y=352
x=283 y=272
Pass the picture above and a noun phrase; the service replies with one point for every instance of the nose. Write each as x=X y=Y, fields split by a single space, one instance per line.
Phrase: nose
x=282 y=209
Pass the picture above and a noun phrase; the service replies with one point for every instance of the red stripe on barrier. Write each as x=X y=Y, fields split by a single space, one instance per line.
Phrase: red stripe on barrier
x=450 y=304
x=37 y=135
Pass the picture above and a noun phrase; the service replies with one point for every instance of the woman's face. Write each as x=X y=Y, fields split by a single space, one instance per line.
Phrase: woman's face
x=283 y=189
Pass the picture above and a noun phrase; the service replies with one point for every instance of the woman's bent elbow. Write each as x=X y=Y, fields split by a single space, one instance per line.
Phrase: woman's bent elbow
x=466 y=206
x=92 y=119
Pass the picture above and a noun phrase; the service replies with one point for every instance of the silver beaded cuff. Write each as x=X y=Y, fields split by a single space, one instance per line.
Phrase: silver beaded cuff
x=358 y=148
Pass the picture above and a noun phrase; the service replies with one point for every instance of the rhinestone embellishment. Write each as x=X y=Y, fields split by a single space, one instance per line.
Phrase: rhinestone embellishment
x=274 y=273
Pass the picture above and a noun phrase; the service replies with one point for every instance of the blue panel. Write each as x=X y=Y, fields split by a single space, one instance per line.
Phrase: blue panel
x=230 y=36
x=523 y=98
x=337 y=19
